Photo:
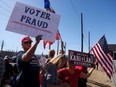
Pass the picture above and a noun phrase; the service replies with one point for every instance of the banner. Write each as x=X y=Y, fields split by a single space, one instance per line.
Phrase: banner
x=81 y=59
x=31 y=21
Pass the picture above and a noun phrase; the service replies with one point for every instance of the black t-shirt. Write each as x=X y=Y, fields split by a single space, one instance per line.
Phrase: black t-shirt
x=30 y=72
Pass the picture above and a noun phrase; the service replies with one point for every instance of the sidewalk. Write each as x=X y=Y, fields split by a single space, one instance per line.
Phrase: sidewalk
x=99 y=79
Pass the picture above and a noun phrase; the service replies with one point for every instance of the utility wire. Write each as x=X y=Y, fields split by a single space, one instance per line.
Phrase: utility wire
x=74 y=9
x=6 y=6
x=77 y=16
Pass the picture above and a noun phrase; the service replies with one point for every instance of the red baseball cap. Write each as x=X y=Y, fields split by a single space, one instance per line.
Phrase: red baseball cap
x=25 y=39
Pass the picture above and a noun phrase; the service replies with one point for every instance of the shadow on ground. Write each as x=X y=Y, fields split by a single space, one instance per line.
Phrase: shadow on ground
x=97 y=83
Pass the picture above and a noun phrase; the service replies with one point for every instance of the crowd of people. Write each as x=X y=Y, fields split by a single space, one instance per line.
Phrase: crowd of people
x=57 y=71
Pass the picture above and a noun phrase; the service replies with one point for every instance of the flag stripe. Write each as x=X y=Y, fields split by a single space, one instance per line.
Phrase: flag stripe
x=104 y=64
x=110 y=57
x=107 y=62
x=105 y=69
x=101 y=56
x=101 y=52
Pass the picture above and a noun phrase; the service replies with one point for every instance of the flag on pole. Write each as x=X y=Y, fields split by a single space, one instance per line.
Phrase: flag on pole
x=44 y=43
x=47 y=6
x=57 y=35
x=47 y=43
x=103 y=56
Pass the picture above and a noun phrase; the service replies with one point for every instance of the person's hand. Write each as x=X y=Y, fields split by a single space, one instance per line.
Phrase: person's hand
x=38 y=38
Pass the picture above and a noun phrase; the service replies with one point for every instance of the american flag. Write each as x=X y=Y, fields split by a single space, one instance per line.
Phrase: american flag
x=103 y=56
x=48 y=7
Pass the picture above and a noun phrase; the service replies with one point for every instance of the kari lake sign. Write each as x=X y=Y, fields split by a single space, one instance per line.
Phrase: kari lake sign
x=82 y=59
x=31 y=21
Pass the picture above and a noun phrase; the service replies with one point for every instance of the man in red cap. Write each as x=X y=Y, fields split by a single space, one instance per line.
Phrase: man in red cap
x=27 y=63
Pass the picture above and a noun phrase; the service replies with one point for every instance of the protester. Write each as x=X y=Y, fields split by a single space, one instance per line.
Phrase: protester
x=62 y=62
x=70 y=74
x=51 y=54
x=82 y=81
x=2 y=70
x=8 y=67
x=50 y=77
x=8 y=71
x=27 y=63
x=97 y=65
x=42 y=61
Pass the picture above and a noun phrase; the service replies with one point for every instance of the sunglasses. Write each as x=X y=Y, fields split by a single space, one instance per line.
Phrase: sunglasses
x=27 y=42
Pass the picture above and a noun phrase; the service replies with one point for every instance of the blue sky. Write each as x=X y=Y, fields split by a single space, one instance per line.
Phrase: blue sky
x=99 y=17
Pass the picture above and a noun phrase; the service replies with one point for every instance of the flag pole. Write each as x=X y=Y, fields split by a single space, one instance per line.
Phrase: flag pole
x=2 y=45
x=49 y=47
x=57 y=46
x=81 y=32
x=88 y=41
x=65 y=48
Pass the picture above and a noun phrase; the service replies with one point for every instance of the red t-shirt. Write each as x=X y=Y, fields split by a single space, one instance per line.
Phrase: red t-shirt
x=80 y=68
x=71 y=79
x=40 y=79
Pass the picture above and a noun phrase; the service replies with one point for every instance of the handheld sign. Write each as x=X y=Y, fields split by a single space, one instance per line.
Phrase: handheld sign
x=82 y=59
x=31 y=21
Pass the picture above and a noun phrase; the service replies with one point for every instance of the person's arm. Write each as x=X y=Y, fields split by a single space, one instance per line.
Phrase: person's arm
x=86 y=75
x=28 y=55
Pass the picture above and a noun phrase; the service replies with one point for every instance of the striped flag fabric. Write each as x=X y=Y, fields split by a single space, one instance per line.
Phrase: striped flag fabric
x=47 y=43
x=103 y=56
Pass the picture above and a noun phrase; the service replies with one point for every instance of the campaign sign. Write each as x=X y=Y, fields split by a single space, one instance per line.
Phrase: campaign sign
x=31 y=21
x=81 y=58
